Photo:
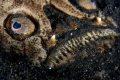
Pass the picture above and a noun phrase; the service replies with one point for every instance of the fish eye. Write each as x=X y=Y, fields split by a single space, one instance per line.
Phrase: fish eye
x=92 y=0
x=16 y=25
x=19 y=26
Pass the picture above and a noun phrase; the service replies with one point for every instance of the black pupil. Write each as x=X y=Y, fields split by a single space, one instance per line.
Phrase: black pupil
x=92 y=0
x=16 y=25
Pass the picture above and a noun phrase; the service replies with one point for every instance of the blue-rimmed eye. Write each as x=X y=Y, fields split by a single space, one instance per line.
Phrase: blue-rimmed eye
x=92 y=0
x=16 y=25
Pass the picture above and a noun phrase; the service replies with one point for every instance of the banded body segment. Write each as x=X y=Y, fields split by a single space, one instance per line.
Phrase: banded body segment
x=65 y=53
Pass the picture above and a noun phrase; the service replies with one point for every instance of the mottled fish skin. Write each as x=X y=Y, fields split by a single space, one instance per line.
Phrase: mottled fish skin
x=33 y=10
x=64 y=54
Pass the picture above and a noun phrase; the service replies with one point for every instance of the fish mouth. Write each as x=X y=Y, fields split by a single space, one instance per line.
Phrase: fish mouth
x=84 y=37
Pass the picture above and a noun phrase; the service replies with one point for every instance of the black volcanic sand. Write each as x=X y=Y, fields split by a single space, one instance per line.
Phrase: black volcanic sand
x=104 y=66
